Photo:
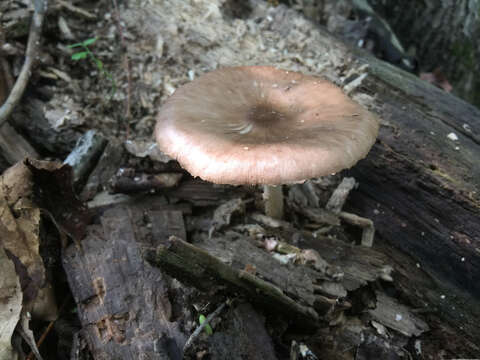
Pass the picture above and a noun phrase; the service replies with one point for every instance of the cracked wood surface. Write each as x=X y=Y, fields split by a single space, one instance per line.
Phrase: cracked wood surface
x=123 y=302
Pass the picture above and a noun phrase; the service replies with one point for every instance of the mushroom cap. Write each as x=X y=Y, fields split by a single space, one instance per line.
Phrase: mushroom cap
x=263 y=125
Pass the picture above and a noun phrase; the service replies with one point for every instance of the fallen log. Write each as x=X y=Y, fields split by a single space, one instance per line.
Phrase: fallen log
x=420 y=184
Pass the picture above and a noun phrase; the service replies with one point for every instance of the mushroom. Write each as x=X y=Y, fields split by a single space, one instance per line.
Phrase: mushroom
x=263 y=125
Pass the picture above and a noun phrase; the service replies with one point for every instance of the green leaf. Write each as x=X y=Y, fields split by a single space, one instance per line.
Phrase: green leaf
x=208 y=328
x=99 y=64
x=89 y=41
x=74 y=45
x=79 y=55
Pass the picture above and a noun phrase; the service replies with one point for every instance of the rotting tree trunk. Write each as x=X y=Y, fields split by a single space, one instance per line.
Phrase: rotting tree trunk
x=419 y=174
x=444 y=34
x=418 y=185
x=421 y=189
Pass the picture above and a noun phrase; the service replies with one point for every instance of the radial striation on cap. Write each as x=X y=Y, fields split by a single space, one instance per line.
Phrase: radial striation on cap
x=263 y=125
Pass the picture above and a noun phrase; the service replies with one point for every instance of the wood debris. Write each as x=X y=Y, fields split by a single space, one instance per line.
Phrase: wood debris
x=367 y=301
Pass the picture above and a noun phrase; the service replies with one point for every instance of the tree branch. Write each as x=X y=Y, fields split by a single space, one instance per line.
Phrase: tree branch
x=32 y=51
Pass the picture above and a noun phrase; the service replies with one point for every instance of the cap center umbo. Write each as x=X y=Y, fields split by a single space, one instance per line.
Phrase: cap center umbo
x=265 y=116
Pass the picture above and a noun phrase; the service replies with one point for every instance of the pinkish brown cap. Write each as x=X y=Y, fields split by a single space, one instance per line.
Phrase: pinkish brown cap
x=262 y=125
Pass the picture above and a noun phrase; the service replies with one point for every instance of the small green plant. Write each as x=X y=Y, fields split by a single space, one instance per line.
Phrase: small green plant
x=87 y=53
x=208 y=328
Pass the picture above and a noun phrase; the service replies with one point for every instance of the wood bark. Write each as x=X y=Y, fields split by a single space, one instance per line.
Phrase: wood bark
x=444 y=34
x=130 y=310
x=415 y=172
x=123 y=303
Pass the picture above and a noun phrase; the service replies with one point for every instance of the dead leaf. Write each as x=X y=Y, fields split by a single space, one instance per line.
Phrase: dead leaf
x=10 y=305
x=20 y=219
x=53 y=192
x=19 y=226
x=23 y=328
x=437 y=78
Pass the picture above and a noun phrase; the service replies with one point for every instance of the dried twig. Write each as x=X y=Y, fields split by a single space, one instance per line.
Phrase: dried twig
x=41 y=340
x=335 y=204
x=48 y=329
x=76 y=9
x=5 y=71
x=368 y=229
x=31 y=53
x=199 y=329
x=27 y=334
x=339 y=196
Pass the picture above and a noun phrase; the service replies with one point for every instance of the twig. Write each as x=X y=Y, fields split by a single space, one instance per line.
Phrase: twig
x=5 y=69
x=48 y=329
x=199 y=329
x=368 y=229
x=339 y=196
x=27 y=334
x=42 y=339
x=141 y=182
x=335 y=204
x=31 y=53
x=76 y=9
x=126 y=64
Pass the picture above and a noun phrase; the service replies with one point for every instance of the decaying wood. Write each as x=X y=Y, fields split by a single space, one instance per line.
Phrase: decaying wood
x=396 y=316
x=202 y=193
x=31 y=118
x=232 y=264
x=418 y=186
x=127 y=181
x=224 y=262
x=222 y=216
x=339 y=196
x=367 y=226
x=85 y=155
x=325 y=218
x=13 y=146
x=108 y=164
x=198 y=268
x=421 y=188
x=448 y=41
x=115 y=289
x=123 y=302
x=244 y=336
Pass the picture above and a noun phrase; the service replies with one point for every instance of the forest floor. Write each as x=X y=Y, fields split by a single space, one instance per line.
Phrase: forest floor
x=101 y=77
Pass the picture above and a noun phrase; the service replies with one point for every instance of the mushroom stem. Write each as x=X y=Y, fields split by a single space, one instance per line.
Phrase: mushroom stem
x=273 y=197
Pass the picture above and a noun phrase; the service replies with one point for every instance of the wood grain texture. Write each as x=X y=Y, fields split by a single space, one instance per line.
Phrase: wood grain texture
x=123 y=302
x=444 y=34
